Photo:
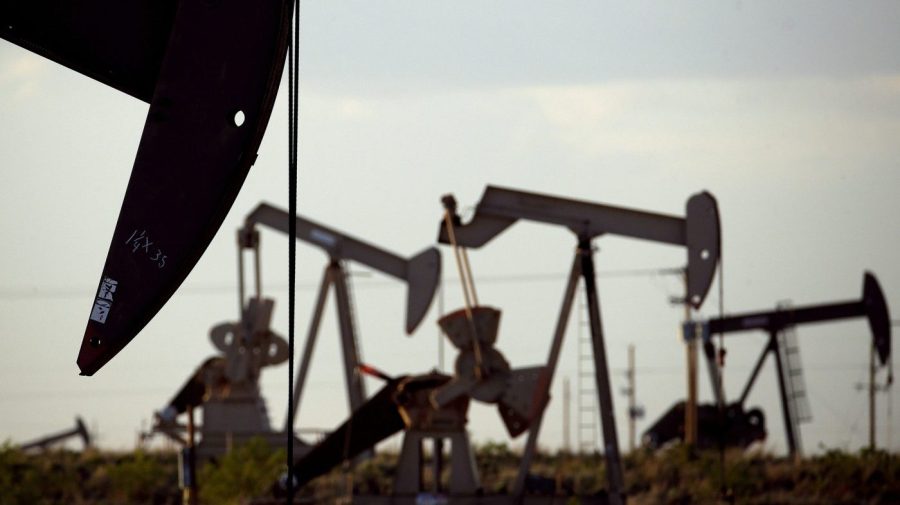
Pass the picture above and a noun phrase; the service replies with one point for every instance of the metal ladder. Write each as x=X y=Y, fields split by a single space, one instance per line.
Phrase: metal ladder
x=588 y=411
x=795 y=385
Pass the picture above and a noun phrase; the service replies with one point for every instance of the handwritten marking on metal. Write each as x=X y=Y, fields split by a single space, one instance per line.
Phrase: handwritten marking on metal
x=139 y=241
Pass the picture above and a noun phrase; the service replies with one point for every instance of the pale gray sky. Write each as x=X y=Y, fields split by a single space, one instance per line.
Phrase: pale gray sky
x=789 y=114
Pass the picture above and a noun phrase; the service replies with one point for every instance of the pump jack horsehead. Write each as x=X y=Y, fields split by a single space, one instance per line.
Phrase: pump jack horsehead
x=210 y=72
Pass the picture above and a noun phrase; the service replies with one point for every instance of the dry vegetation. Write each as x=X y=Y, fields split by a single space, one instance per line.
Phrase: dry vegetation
x=672 y=476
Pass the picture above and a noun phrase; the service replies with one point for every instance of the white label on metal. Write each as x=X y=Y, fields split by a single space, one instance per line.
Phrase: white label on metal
x=107 y=288
x=104 y=300
x=101 y=310
x=323 y=237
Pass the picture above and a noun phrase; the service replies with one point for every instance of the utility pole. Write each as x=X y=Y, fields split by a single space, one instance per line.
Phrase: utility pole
x=566 y=405
x=690 y=408
x=874 y=389
x=872 y=397
x=635 y=411
x=631 y=394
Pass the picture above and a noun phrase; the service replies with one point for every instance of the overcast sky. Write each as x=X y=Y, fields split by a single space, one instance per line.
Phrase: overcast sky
x=789 y=114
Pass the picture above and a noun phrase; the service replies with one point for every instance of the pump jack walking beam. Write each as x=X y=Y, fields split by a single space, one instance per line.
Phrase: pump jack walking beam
x=500 y=208
x=872 y=305
x=421 y=273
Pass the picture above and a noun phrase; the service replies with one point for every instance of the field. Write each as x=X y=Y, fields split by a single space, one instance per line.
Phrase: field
x=673 y=476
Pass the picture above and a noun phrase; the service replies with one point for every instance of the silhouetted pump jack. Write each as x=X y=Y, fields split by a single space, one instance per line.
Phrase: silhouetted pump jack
x=500 y=208
x=80 y=431
x=227 y=386
x=420 y=273
x=872 y=306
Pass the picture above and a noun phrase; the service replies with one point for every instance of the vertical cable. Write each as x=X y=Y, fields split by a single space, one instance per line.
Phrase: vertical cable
x=293 y=98
x=720 y=355
x=720 y=361
x=440 y=316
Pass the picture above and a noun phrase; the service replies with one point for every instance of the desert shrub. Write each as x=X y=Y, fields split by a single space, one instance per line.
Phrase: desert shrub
x=245 y=473
x=138 y=478
x=20 y=483
x=374 y=476
x=674 y=475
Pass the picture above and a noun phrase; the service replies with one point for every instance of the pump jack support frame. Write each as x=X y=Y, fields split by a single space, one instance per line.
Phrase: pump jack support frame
x=499 y=208
x=334 y=276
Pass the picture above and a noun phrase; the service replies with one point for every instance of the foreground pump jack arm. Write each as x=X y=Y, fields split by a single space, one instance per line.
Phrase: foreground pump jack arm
x=210 y=72
x=500 y=208
x=421 y=273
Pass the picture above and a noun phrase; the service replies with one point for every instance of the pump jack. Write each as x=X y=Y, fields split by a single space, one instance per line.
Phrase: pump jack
x=227 y=386
x=433 y=407
x=421 y=273
x=80 y=430
x=499 y=208
x=430 y=403
x=872 y=305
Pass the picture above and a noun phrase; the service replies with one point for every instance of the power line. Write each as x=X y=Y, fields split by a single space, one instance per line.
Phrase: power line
x=57 y=292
